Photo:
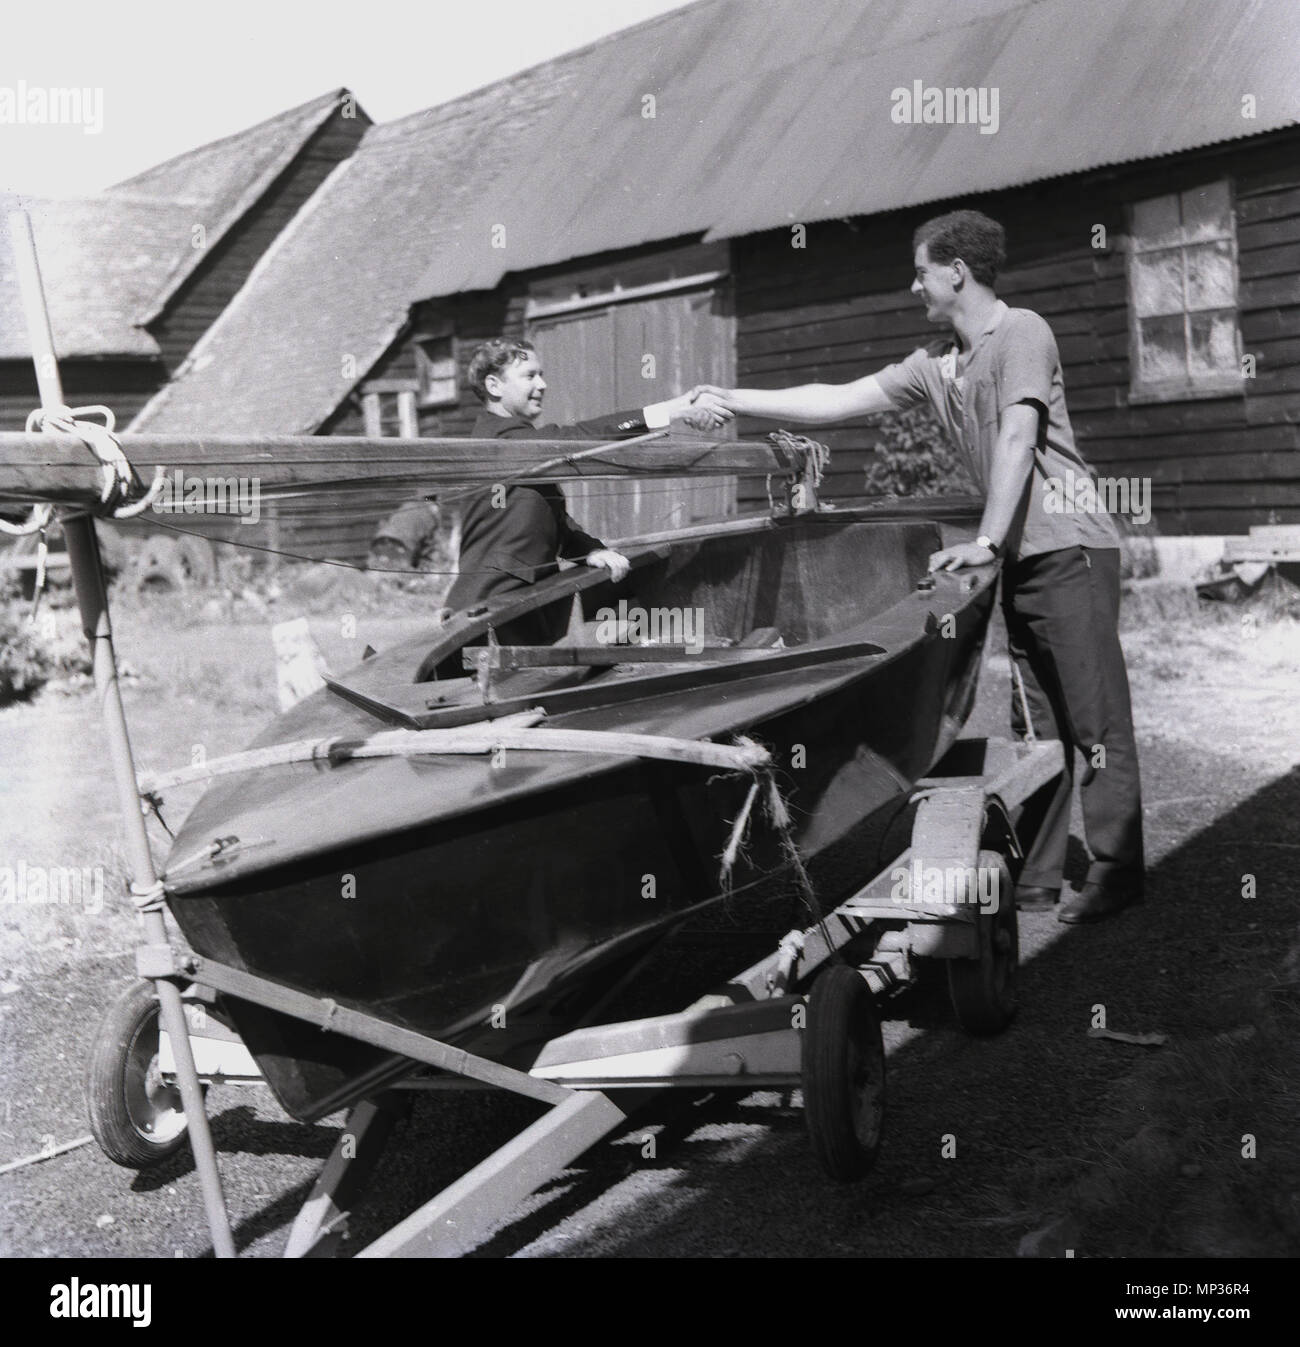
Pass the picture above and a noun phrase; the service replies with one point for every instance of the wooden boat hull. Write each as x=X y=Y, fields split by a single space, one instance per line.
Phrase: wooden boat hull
x=495 y=905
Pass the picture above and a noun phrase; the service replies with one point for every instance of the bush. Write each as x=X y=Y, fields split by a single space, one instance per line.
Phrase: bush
x=914 y=457
x=25 y=663
x=1138 y=558
x=64 y=642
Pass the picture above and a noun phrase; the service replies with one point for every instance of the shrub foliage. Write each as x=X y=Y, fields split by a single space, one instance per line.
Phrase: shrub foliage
x=914 y=457
x=26 y=665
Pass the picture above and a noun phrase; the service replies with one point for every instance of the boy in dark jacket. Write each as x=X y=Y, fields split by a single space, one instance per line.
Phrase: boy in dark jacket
x=512 y=535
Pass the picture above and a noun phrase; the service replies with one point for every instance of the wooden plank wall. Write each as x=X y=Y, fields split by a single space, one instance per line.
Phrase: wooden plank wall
x=477 y=317
x=840 y=307
x=123 y=385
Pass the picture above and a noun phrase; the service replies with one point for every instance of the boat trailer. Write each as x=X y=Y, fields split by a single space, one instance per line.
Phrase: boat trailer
x=808 y=1015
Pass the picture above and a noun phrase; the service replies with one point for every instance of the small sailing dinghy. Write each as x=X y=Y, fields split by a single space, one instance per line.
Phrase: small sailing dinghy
x=492 y=894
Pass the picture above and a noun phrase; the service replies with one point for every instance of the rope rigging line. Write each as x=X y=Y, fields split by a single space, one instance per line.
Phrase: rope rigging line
x=764 y=786
x=120 y=480
x=329 y=514
x=333 y=561
x=38 y=523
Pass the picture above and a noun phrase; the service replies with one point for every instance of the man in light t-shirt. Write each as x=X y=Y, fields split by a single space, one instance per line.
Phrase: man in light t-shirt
x=995 y=383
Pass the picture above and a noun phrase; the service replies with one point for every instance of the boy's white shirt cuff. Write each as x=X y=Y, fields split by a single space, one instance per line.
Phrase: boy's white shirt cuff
x=658 y=414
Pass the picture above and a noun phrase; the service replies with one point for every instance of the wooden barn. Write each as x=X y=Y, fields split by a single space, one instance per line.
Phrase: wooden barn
x=727 y=194
x=135 y=275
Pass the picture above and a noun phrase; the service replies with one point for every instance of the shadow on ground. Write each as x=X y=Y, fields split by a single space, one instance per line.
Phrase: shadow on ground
x=1033 y=1114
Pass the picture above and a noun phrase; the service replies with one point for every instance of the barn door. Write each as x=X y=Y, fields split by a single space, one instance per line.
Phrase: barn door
x=624 y=355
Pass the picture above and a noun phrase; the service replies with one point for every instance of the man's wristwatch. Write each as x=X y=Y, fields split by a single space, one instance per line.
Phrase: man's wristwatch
x=984 y=541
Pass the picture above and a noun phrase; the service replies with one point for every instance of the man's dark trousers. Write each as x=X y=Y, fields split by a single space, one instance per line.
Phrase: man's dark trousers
x=1062 y=612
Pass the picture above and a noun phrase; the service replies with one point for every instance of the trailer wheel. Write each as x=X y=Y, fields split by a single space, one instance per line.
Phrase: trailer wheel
x=843 y=1074
x=983 y=991
x=135 y=1115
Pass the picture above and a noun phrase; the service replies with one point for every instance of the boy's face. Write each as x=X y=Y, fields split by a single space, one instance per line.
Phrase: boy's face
x=519 y=388
x=935 y=286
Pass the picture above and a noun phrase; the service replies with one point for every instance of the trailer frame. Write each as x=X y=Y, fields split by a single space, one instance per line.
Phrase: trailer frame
x=749 y=1034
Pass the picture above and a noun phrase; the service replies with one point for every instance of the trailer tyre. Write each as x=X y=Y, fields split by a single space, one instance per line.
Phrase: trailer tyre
x=983 y=991
x=136 y=1117
x=843 y=1074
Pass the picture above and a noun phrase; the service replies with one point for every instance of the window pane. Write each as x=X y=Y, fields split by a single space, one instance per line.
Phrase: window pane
x=1207 y=212
x=1210 y=279
x=1162 y=353
x=1156 y=222
x=1158 y=282
x=1183 y=292
x=435 y=360
x=1214 y=343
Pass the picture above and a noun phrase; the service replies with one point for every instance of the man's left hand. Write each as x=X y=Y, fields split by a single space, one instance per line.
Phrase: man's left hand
x=617 y=563
x=964 y=554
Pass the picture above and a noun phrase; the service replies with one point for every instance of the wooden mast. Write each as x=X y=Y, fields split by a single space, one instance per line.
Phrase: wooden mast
x=154 y=955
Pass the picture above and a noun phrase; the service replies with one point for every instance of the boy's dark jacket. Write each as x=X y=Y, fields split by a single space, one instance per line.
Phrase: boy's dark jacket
x=511 y=546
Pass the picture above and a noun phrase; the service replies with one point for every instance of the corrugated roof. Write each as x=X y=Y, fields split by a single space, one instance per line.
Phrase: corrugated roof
x=101 y=264
x=227 y=176
x=767 y=112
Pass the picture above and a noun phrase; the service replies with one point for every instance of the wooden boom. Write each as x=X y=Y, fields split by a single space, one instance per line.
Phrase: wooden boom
x=58 y=468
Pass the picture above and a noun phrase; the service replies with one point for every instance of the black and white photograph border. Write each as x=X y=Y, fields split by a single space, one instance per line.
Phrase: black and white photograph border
x=907 y=392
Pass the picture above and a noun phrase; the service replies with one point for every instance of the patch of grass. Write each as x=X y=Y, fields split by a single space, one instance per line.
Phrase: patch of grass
x=54 y=937
x=1170 y=632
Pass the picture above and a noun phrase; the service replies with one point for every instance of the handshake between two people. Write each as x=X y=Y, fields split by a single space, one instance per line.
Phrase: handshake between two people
x=704 y=407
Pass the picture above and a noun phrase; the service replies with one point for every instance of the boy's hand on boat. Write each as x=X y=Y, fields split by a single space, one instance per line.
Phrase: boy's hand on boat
x=618 y=564
x=964 y=554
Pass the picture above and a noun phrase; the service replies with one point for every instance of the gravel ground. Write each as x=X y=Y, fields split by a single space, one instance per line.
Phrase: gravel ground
x=1219 y=728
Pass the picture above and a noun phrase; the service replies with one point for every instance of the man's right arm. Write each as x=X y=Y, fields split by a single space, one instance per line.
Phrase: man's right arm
x=807 y=404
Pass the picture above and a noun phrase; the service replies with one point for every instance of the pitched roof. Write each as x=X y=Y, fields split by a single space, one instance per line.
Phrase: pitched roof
x=338 y=281
x=111 y=262
x=100 y=267
x=765 y=113
x=227 y=176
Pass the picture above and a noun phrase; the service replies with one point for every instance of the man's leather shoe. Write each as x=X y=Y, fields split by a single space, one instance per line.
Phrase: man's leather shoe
x=1096 y=902
x=1035 y=898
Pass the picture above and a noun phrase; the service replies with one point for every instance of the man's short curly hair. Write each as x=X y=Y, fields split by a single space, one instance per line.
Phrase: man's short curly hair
x=969 y=234
x=494 y=356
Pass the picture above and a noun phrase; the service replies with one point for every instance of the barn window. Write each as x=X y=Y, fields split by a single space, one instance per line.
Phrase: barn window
x=435 y=365
x=388 y=406
x=1182 y=277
